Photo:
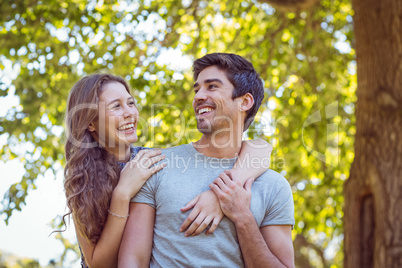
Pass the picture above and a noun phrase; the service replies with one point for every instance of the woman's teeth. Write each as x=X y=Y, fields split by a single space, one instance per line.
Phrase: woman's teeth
x=126 y=127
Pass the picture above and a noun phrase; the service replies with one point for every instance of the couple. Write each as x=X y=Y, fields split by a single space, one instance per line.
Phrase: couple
x=133 y=215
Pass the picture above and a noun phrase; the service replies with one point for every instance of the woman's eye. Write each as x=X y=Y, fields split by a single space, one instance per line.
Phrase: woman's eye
x=116 y=106
x=212 y=86
x=131 y=103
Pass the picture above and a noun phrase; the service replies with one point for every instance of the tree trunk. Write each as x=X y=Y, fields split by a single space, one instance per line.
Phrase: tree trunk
x=373 y=193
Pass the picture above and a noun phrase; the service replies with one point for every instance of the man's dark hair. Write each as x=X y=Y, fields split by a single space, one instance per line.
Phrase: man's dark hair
x=240 y=73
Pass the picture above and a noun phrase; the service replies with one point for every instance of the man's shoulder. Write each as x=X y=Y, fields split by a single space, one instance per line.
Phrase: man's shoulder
x=180 y=149
x=271 y=174
x=271 y=177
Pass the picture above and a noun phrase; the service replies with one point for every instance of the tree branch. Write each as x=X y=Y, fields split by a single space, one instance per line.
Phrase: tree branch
x=290 y=5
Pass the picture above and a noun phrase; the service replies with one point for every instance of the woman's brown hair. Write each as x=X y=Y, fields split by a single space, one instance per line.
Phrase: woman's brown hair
x=91 y=173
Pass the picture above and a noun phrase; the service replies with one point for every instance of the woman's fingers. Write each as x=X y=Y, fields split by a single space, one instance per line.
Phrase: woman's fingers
x=156 y=168
x=204 y=224
x=147 y=162
x=140 y=154
x=213 y=226
x=145 y=153
x=188 y=221
x=147 y=158
x=195 y=224
x=157 y=158
x=152 y=153
x=189 y=206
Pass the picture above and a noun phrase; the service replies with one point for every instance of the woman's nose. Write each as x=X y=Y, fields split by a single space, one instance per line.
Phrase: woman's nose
x=130 y=111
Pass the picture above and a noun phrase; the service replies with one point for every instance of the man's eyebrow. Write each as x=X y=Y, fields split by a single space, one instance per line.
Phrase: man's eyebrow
x=207 y=81
x=213 y=80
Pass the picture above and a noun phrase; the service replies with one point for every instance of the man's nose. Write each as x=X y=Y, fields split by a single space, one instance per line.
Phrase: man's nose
x=200 y=95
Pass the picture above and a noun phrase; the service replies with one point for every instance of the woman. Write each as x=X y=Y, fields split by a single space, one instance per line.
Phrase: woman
x=101 y=122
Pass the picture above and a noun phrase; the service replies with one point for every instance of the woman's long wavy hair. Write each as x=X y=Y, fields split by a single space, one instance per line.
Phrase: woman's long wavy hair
x=91 y=173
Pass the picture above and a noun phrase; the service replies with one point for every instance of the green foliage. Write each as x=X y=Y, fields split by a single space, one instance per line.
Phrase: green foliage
x=304 y=58
x=12 y=261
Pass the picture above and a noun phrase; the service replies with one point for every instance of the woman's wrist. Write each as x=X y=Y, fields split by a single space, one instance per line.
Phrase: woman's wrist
x=121 y=194
x=237 y=174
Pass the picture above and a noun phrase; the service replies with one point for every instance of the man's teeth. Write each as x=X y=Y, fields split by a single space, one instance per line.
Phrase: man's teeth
x=205 y=110
x=125 y=127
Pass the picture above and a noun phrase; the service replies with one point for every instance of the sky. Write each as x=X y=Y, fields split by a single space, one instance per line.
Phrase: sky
x=28 y=231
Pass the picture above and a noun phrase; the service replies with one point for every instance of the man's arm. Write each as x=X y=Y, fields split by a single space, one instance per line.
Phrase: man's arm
x=270 y=246
x=253 y=160
x=136 y=245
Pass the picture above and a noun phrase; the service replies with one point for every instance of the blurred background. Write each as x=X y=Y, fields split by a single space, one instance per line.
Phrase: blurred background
x=303 y=51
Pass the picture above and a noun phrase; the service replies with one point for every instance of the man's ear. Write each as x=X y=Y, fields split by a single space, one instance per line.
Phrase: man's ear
x=91 y=127
x=247 y=102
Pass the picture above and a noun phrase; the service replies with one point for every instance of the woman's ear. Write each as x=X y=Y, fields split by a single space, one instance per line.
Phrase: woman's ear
x=91 y=127
x=247 y=102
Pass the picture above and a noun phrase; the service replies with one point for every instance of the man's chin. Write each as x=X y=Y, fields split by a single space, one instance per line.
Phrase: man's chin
x=204 y=128
x=205 y=131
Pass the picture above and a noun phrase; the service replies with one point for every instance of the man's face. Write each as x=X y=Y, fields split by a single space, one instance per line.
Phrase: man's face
x=213 y=104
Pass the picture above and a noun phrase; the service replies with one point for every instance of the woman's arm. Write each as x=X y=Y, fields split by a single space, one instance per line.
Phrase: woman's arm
x=105 y=252
x=136 y=245
x=253 y=160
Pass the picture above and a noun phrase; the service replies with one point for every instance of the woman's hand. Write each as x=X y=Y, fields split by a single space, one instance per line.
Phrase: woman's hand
x=206 y=210
x=138 y=171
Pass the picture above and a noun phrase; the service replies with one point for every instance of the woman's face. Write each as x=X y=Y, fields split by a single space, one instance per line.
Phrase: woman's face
x=118 y=116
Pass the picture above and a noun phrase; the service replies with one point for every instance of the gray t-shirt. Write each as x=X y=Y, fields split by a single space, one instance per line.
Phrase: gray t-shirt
x=188 y=173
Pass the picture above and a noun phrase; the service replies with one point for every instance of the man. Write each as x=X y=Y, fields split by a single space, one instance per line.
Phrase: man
x=256 y=231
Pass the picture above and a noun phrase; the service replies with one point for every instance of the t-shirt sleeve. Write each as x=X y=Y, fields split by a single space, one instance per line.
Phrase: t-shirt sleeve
x=146 y=194
x=281 y=208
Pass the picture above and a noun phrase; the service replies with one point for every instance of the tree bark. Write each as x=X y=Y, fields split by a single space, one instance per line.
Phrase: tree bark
x=373 y=193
